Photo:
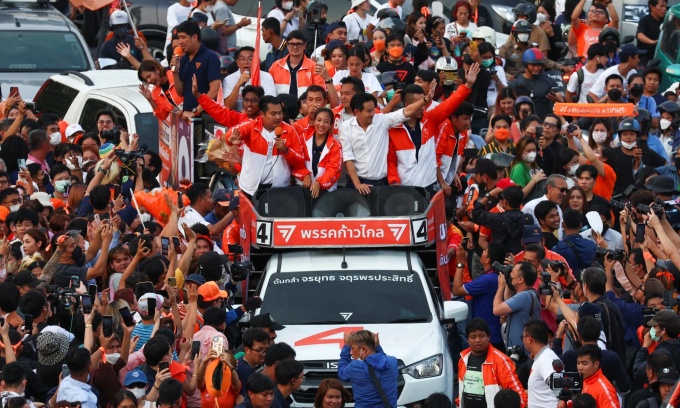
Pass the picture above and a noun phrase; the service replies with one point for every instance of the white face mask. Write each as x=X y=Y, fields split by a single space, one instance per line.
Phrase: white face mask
x=529 y=157
x=599 y=136
x=112 y=358
x=14 y=208
x=139 y=393
x=287 y=5
x=523 y=37
x=664 y=124
x=55 y=138
x=209 y=9
x=629 y=146
x=572 y=169
x=540 y=18
x=146 y=217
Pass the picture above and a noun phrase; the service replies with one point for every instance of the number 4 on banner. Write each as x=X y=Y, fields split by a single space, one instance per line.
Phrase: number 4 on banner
x=322 y=338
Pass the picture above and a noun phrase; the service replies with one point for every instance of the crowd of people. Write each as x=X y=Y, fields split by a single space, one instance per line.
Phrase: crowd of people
x=562 y=231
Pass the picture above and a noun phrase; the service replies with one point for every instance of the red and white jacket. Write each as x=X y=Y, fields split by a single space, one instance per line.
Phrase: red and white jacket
x=403 y=167
x=256 y=148
x=330 y=164
x=450 y=150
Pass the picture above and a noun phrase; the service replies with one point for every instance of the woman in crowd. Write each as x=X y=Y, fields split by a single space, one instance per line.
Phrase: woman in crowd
x=35 y=244
x=505 y=102
x=415 y=29
x=325 y=155
x=331 y=394
x=356 y=21
x=335 y=56
x=524 y=166
x=355 y=67
x=545 y=19
x=566 y=163
x=378 y=52
x=460 y=29
x=164 y=97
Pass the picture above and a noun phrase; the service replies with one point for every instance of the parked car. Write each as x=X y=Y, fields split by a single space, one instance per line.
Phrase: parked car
x=668 y=48
x=78 y=96
x=39 y=42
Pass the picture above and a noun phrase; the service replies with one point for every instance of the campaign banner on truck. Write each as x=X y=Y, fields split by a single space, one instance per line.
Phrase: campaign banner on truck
x=175 y=146
x=594 y=110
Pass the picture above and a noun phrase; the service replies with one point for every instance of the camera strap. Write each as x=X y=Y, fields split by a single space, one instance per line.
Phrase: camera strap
x=377 y=385
x=609 y=328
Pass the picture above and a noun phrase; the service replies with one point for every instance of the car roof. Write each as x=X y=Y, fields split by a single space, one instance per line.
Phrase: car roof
x=357 y=260
x=31 y=16
x=100 y=79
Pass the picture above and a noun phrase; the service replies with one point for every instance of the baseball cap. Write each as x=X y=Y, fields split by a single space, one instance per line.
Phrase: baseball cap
x=210 y=291
x=667 y=375
x=357 y=3
x=629 y=49
x=485 y=166
x=531 y=234
x=334 y=26
x=222 y=196
x=666 y=317
x=226 y=61
x=26 y=278
x=118 y=17
x=134 y=377
x=234 y=203
x=266 y=320
x=661 y=184
x=43 y=198
x=505 y=183
x=196 y=278
x=72 y=129
x=590 y=309
x=199 y=17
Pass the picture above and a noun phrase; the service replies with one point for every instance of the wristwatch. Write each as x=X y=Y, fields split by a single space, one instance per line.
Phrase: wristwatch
x=328 y=81
x=459 y=265
x=487 y=195
x=103 y=170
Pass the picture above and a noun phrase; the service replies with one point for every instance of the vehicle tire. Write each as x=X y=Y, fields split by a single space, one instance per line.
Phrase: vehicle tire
x=156 y=48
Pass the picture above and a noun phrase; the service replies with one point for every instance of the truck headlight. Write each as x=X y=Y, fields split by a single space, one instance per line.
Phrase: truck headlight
x=430 y=367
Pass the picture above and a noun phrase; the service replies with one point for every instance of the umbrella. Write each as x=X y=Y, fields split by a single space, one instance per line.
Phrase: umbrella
x=92 y=5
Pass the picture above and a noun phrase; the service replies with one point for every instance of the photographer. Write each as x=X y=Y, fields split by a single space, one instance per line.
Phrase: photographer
x=106 y=120
x=517 y=299
x=594 y=382
x=535 y=340
x=665 y=328
x=578 y=251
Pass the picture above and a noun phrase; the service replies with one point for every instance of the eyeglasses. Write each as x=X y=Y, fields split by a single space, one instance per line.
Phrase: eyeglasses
x=562 y=190
x=4 y=182
x=242 y=59
x=296 y=45
x=550 y=125
x=262 y=350
x=597 y=11
x=137 y=385
x=105 y=122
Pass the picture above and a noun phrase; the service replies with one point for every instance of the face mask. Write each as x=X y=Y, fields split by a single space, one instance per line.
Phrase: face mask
x=501 y=134
x=120 y=32
x=138 y=392
x=379 y=45
x=653 y=334
x=614 y=94
x=636 y=91
x=605 y=227
x=664 y=124
x=396 y=52
x=14 y=208
x=390 y=94
x=287 y=5
x=540 y=18
x=112 y=358
x=522 y=37
x=599 y=136
x=529 y=157
x=62 y=185
x=629 y=146
x=146 y=217
x=209 y=9
x=572 y=169
x=55 y=138
x=487 y=62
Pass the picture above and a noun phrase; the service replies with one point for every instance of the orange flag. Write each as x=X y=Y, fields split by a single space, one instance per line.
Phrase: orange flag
x=255 y=66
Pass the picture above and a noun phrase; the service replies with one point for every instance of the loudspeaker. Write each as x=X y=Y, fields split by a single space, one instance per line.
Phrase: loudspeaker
x=284 y=202
x=342 y=203
x=398 y=201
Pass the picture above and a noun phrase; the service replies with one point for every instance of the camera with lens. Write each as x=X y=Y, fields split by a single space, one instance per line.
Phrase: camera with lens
x=111 y=135
x=614 y=254
x=645 y=209
x=502 y=269
x=545 y=289
x=239 y=270
x=648 y=314
x=617 y=206
x=61 y=299
x=566 y=384
x=127 y=157
x=235 y=249
x=557 y=266
x=516 y=354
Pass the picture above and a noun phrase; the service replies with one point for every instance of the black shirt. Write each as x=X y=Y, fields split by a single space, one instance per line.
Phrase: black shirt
x=416 y=135
x=62 y=276
x=293 y=79
x=108 y=49
x=598 y=201
x=550 y=239
x=473 y=382
x=316 y=155
x=538 y=87
x=650 y=27
x=623 y=165
x=406 y=73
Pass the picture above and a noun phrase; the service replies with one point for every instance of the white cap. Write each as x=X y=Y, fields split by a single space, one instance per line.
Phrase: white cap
x=357 y=3
x=72 y=129
x=118 y=17
x=43 y=198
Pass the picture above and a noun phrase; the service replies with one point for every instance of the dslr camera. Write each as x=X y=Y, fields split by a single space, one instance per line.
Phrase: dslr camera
x=112 y=135
x=557 y=266
x=645 y=209
x=614 y=254
x=545 y=289
x=127 y=157
x=502 y=269
x=516 y=354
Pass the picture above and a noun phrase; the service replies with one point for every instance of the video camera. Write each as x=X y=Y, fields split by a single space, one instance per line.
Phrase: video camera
x=645 y=209
x=127 y=157
x=623 y=197
x=61 y=299
x=618 y=206
x=648 y=314
x=516 y=354
x=614 y=254
x=565 y=384
x=112 y=135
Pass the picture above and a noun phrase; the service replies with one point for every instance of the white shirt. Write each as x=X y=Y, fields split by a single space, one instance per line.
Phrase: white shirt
x=492 y=92
x=190 y=218
x=7 y=395
x=356 y=26
x=368 y=149
x=74 y=390
x=211 y=19
x=454 y=29
x=370 y=81
x=230 y=81
x=538 y=388
x=588 y=81
x=598 y=86
x=176 y=14
x=294 y=24
x=375 y=20
x=612 y=237
x=268 y=172
x=529 y=210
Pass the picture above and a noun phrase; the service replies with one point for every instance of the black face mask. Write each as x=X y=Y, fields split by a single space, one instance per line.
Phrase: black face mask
x=78 y=256
x=120 y=32
x=614 y=94
x=601 y=66
x=636 y=91
x=605 y=228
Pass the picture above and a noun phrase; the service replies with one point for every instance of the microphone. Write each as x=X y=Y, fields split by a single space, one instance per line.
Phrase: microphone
x=278 y=131
x=177 y=52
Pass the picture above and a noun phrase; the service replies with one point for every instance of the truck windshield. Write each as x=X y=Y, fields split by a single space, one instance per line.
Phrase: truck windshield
x=42 y=51
x=343 y=297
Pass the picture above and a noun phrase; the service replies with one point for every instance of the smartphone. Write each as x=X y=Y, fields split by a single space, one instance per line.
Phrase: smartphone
x=165 y=245
x=28 y=323
x=177 y=244
x=97 y=219
x=26 y=198
x=21 y=163
x=185 y=296
x=217 y=344
x=539 y=131
x=642 y=145
x=13 y=91
x=126 y=316
x=571 y=128
x=107 y=325
x=92 y=291
x=195 y=348
x=116 y=191
x=180 y=200
x=75 y=281
x=86 y=302
x=172 y=281
x=65 y=371
x=640 y=233
x=163 y=365
x=151 y=303
x=143 y=288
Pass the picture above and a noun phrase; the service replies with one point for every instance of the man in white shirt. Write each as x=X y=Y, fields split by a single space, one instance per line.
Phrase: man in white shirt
x=75 y=388
x=233 y=84
x=14 y=379
x=535 y=339
x=583 y=79
x=201 y=204
x=365 y=139
x=630 y=59
x=555 y=191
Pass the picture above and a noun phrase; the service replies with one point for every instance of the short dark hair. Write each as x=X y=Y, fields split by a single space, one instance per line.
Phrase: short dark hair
x=155 y=161
x=26 y=214
x=538 y=330
x=427 y=75
x=4 y=194
x=170 y=390
x=244 y=48
x=357 y=83
x=358 y=100
x=214 y=317
x=525 y=122
x=257 y=90
x=596 y=280
x=597 y=51
x=588 y=328
x=317 y=88
x=528 y=273
x=267 y=100
x=278 y=352
x=477 y=324
x=196 y=191
x=538 y=249
x=514 y=196
x=189 y=28
x=591 y=350
x=106 y=112
x=258 y=382
x=543 y=208
x=437 y=400
x=13 y=374
x=653 y=70
x=659 y=359
x=156 y=349
x=465 y=108
x=254 y=335
x=271 y=23
x=572 y=219
x=552 y=115
x=296 y=35
x=32 y=302
x=583 y=401
x=58 y=169
x=78 y=360
x=394 y=37
x=100 y=196
x=507 y=398
x=288 y=370
x=592 y=170
x=613 y=77
x=411 y=89
x=499 y=117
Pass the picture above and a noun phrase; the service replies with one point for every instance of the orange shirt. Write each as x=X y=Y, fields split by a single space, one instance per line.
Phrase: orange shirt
x=604 y=186
x=602 y=390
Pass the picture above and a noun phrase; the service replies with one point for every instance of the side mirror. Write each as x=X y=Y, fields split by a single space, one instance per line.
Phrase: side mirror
x=454 y=311
x=673 y=70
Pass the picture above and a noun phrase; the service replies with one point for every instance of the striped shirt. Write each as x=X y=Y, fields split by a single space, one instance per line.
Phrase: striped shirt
x=144 y=332
x=493 y=147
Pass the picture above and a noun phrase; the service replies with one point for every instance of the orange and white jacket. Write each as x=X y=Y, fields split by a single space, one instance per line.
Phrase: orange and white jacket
x=306 y=75
x=330 y=164
x=498 y=372
x=403 y=167
x=163 y=99
x=450 y=150
x=255 y=150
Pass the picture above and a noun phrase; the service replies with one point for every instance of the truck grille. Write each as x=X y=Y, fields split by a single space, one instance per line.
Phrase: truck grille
x=317 y=371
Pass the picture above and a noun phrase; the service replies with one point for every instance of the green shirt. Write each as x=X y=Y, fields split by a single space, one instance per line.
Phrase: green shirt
x=521 y=174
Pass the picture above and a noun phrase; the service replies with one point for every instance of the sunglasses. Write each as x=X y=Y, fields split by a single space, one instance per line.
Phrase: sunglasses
x=550 y=125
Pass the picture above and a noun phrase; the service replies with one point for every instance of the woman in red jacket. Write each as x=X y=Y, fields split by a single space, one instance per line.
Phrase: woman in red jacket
x=324 y=155
x=163 y=97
